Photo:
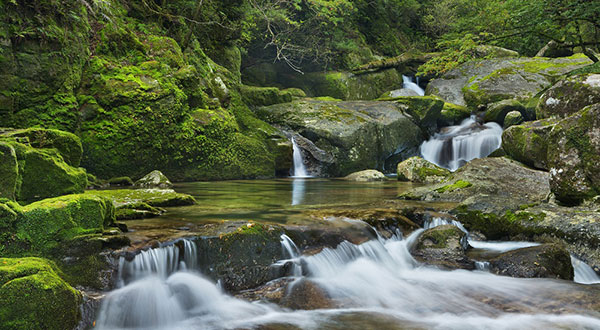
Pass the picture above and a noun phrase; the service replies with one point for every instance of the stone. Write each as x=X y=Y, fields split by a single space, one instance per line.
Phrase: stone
x=513 y=118
x=546 y=261
x=417 y=169
x=154 y=179
x=574 y=158
x=366 y=176
x=9 y=171
x=121 y=181
x=151 y=197
x=528 y=142
x=453 y=114
x=487 y=81
x=262 y=96
x=305 y=294
x=569 y=96
x=497 y=111
x=444 y=246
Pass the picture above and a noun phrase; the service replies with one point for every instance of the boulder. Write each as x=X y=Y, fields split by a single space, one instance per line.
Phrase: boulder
x=154 y=179
x=261 y=96
x=547 y=260
x=423 y=110
x=121 y=181
x=443 y=246
x=528 y=142
x=492 y=80
x=417 y=169
x=305 y=294
x=497 y=111
x=489 y=51
x=67 y=144
x=574 y=158
x=366 y=176
x=33 y=296
x=348 y=136
x=513 y=118
x=569 y=96
x=151 y=197
x=453 y=114
x=9 y=171
x=399 y=93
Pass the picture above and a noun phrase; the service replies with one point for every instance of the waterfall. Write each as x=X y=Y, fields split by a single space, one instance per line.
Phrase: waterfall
x=299 y=167
x=454 y=146
x=584 y=274
x=290 y=249
x=408 y=83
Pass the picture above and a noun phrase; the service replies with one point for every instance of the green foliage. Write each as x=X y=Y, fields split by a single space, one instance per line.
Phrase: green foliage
x=455 y=52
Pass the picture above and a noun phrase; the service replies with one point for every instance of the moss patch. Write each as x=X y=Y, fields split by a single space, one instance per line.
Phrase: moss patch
x=460 y=184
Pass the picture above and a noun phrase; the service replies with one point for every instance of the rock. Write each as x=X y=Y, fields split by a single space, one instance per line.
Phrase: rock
x=569 y=96
x=67 y=144
x=513 y=118
x=497 y=111
x=154 y=179
x=33 y=296
x=9 y=171
x=574 y=158
x=488 y=81
x=417 y=169
x=489 y=51
x=305 y=294
x=547 y=260
x=453 y=114
x=443 y=246
x=528 y=143
x=424 y=111
x=121 y=181
x=348 y=136
x=138 y=210
x=261 y=96
x=151 y=197
x=399 y=93
x=366 y=176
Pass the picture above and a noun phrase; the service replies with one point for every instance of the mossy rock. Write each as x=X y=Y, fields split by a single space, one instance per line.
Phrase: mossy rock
x=154 y=179
x=443 y=246
x=120 y=181
x=497 y=111
x=9 y=171
x=453 y=114
x=261 y=96
x=424 y=110
x=513 y=118
x=417 y=169
x=569 y=96
x=33 y=296
x=457 y=185
x=574 y=158
x=366 y=176
x=67 y=144
x=543 y=261
x=528 y=143
x=153 y=197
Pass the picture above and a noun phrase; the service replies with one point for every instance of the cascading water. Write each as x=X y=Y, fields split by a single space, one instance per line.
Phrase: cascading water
x=408 y=83
x=584 y=274
x=299 y=167
x=454 y=146
x=378 y=278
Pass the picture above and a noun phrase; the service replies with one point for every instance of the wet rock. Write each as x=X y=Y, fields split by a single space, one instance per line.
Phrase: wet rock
x=493 y=80
x=154 y=179
x=528 y=143
x=399 y=93
x=547 y=260
x=366 y=176
x=274 y=291
x=512 y=118
x=443 y=246
x=349 y=136
x=574 y=158
x=417 y=169
x=306 y=295
x=423 y=110
x=497 y=111
x=152 y=197
x=569 y=96
x=453 y=114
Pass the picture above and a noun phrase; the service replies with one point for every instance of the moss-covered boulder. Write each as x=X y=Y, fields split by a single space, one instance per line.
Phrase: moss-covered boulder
x=9 y=171
x=528 y=143
x=366 y=176
x=497 y=111
x=261 y=96
x=355 y=134
x=547 y=260
x=154 y=179
x=488 y=81
x=152 y=197
x=424 y=111
x=33 y=296
x=120 y=181
x=46 y=225
x=417 y=169
x=574 y=158
x=443 y=246
x=67 y=144
x=569 y=96
x=453 y=114
x=513 y=118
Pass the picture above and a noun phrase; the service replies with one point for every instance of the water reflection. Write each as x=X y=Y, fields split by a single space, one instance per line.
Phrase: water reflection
x=298 y=188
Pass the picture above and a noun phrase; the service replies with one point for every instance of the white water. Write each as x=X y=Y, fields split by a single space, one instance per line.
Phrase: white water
x=379 y=278
x=299 y=167
x=584 y=274
x=408 y=83
x=456 y=145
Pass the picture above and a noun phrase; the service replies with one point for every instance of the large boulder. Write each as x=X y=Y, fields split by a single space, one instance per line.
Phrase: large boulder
x=67 y=144
x=574 y=158
x=306 y=295
x=443 y=246
x=547 y=260
x=453 y=114
x=366 y=176
x=497 y=111
x=350 y=135
x=513 y=118
x=154 y=179
x=33 y=296
x=417 y=169
x=488 y=81
x=569 y=96
x=424 y=111
x=528 y=143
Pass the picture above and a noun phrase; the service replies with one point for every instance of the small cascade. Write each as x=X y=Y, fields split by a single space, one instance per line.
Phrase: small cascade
x=299 y=167
x=454 y=146
x=584 y=274
x=408 y=83
x=293 y=253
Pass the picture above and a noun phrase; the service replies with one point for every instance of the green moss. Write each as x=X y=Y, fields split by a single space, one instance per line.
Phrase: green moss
x=9 y=171
x=262 y=96
x=151 y=197
x=439 y=237
x=327 y=98
x=460 y=184
x=67 y=144
x=33 y=296
x=496 y=227
x=453 y=114
x=121 y=181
